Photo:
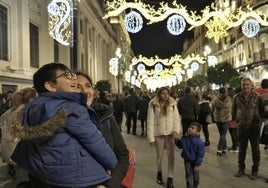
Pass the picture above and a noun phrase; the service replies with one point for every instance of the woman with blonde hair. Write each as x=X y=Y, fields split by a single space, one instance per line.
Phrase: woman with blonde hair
x=163 y=127
x=9 y=140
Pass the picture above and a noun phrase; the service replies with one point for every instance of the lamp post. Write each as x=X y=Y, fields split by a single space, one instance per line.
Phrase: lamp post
x=118 y=55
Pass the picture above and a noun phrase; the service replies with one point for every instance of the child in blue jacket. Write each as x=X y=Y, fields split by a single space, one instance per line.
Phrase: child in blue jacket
x=193 y=151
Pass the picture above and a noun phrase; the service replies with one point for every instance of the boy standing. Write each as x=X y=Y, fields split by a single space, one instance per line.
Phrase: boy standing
x=193 y=151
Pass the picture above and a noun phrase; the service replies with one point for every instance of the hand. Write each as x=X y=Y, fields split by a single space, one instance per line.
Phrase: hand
x=109 y=172
x=100 y=186
x=196 y=168
x=175 y=134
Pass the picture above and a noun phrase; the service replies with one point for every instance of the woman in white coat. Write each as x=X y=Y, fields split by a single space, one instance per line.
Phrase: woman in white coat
x=163 y=127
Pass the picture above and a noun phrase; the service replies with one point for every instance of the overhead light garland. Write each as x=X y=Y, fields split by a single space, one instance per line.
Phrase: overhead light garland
x=167 y=62
x=211 y=15
x=60 y=20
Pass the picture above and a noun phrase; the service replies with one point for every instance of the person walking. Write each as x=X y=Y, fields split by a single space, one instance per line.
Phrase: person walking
x=118 y=107
x=205 y=111
x=246 y=112
x=131 y=108
x=263 y=92
x=222 y=113
x=163 y=127
x=66 y=158
x=193 y=152
x=109 y=130
x=188 y=109
x=9 y=141
x=143 y=104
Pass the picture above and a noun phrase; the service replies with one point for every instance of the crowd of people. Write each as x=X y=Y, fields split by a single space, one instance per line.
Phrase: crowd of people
x=89 y=134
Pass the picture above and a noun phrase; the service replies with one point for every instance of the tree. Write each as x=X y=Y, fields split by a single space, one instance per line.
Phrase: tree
x=198 y=80
x=105 y=85
x=221 y=73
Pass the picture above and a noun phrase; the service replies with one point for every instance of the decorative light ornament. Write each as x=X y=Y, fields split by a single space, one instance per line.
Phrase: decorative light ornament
x=176 y=24
x=141 y=68
x=250 y=28
x=133 y=22
x=194 y=66
x=158 y=67
x=60 y=20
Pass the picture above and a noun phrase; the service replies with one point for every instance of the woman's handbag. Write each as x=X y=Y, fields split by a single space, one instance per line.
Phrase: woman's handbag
x=264 y=135
x=127 y=182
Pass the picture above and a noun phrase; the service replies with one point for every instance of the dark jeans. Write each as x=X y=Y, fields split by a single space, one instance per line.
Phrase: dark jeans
x=233 y=133
x=205 y=130
x=185 y=124
x=222 y=128
x=144 y=125
x=131 y=116
x=191 y=176
x=253 y=136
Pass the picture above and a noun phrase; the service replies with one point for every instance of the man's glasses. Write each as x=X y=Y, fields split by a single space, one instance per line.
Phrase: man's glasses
x=68 y=75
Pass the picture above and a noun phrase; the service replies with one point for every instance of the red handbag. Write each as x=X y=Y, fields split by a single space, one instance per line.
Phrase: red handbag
x=127 y=182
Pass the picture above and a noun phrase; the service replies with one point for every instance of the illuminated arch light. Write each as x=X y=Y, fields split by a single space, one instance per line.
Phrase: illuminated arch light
x=133 y=22
x=158 y=67
x=141 y=68
x=189 y=73
x=176 y=24
x=250 y=28
x=60 y=20
x=194 y=66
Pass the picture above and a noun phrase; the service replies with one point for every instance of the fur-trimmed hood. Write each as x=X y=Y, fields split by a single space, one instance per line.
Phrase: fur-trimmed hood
x=39 y=132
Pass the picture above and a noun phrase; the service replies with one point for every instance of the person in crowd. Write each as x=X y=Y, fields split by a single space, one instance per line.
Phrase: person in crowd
x=222 y=115
x=9 y=141
x=131 y=108
x=118 y=106
x=246 y=112
x=109 y=130
x=188 y=108
x=233 y=126
x=104 y=97
x=143 y=104
x=263 y=92
x=66 y=158
x=193 y=152
x=163 y=127
x=205 y=111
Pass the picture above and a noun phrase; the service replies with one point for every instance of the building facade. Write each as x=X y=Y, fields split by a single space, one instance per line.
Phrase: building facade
x=25 y=43
x=248 y=55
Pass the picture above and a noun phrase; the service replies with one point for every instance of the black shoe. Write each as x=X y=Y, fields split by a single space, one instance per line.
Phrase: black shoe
x=253 y=175
x=11 y=171
x=240 y=173
x=219 y=153
x=170 y=183
x=206 y=143
x=142 y=134
x=159 y=178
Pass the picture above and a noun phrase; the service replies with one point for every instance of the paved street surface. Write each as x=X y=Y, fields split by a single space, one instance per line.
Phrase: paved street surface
x=215 y=172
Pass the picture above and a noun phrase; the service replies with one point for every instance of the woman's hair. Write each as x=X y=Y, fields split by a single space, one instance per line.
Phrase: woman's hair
x=23 y=96
x=163 y=106
x=85 y=75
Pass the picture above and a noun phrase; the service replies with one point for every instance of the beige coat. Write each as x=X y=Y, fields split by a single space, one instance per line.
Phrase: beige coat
x=222 y=110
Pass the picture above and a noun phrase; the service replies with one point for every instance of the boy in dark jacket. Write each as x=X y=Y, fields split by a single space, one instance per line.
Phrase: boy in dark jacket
x=193 y=151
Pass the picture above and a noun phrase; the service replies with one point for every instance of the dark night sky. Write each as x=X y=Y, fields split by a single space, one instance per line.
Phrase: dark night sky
x=155 y=39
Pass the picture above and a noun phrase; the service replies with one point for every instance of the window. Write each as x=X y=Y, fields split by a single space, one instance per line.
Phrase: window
x=34 y=45
x=3 y=33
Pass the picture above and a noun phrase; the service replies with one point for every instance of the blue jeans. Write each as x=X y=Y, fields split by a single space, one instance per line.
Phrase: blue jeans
x=222 y=128
x=191 y=176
